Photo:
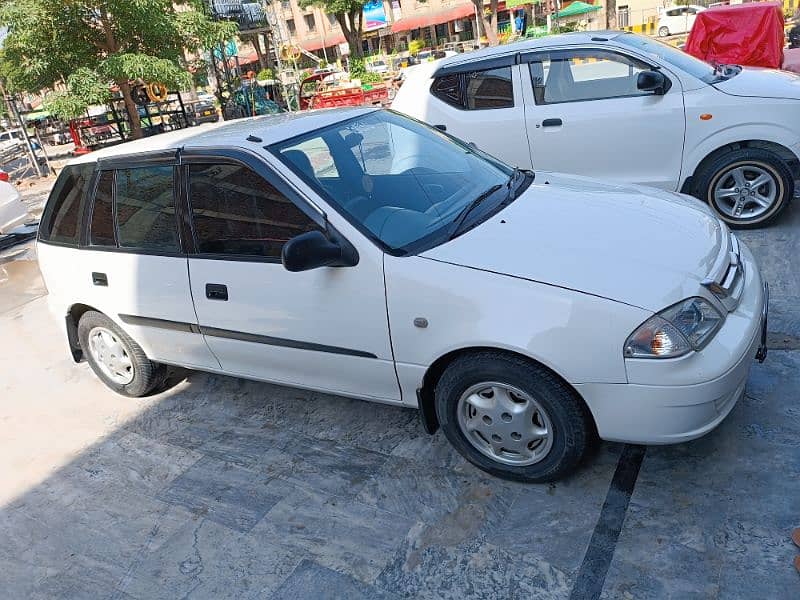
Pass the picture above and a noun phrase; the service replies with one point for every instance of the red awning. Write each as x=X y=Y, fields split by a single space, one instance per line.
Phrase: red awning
x=317 y=43
x=433 y=17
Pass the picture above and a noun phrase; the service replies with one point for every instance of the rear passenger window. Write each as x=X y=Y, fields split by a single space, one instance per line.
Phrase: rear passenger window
x=62 y=215
x=146 y=209
x=236 y=212
x=478 y=90
x=101 y=231
x=489 y=89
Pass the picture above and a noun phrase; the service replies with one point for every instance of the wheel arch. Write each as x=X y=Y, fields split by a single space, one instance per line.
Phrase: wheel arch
x=425 y=393
x=792 y=160
x=74 y=314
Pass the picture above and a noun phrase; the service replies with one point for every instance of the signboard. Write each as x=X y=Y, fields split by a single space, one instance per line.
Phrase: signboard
x=374 y=15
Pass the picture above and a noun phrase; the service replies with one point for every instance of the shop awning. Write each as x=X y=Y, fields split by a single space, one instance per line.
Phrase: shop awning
x=316 y=43
x=35 y=116
x=577 y=8
x=433 y=17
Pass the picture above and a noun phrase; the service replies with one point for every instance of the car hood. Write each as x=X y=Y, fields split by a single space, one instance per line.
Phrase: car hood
x=762 y=83
x=630 y=244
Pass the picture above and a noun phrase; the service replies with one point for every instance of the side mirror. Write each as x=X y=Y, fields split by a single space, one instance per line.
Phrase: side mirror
x=653 y=81
x=312 y=250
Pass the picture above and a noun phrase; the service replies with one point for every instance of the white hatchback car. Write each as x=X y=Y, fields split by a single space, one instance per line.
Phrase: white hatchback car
x=677 y=19
x=627 y=108
x=362 y=253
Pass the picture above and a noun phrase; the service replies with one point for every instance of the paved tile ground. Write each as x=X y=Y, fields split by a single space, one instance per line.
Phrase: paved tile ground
x=224 y=488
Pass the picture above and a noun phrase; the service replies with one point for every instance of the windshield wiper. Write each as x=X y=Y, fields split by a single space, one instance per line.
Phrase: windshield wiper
x=459 y=221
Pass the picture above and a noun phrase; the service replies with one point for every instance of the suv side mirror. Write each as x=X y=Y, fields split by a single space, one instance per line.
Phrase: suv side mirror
x=312 y=250
x=653 y=81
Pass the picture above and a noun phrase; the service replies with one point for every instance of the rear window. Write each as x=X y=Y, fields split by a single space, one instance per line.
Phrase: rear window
x=61 y=221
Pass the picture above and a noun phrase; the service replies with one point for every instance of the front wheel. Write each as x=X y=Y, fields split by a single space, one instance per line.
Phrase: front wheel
x=663 y=32
x=511 y=417
x=747 y=188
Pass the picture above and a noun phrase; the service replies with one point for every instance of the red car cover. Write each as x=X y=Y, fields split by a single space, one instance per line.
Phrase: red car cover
x=743 y=34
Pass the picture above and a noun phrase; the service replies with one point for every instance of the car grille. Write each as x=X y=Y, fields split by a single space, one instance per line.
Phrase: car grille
x=726 y=280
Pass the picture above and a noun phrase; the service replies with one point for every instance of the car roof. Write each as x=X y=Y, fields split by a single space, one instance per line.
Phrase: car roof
x=269 y=128
x=563 y=39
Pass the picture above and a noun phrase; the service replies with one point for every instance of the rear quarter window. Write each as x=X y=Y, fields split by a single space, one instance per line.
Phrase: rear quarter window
x=61 y=220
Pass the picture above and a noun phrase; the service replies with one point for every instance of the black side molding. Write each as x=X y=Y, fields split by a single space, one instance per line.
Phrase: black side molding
x=241 y=336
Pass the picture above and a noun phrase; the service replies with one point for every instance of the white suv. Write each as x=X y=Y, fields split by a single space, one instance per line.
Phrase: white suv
x=362 y=253
x=627 y=108
x=677 y=19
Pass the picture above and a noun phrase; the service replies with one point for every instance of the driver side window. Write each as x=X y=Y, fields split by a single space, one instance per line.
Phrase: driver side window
x=580 y=75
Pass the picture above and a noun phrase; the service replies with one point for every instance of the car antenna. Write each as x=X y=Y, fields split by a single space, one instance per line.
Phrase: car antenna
x=254 y=138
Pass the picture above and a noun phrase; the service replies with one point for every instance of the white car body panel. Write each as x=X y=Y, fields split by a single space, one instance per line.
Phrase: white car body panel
x=652 y=140
x=12 y=211
x=678 y=23
x=562 y=275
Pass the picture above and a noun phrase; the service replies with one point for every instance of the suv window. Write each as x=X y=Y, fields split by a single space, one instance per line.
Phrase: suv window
x=477 y=90
x=101 y=230
x=577 y=75
x=62 y=216
x=145 y=209
x=236 y=212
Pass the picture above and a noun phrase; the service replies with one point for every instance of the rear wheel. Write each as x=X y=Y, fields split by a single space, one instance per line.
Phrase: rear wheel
x=116 y=358
x=747 y=188
x=511 y=417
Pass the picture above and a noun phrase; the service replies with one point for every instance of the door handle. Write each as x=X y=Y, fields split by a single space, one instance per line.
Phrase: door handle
x=216 y=291
x=99 y=279
x=441 y=127
x=552 y=123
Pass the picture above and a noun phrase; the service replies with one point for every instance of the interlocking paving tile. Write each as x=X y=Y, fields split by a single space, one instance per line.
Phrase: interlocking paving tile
x=473 y=569
x=338 y=533
x=207 y=560
x=222 y=492
x=311 y=580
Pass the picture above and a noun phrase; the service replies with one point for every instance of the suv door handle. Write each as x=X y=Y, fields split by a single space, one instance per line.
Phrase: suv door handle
x=551 y=123
x=441 y=127
x=99 y=279
x=216 y=291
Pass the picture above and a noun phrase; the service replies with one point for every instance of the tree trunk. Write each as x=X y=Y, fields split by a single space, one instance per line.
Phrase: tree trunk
x=130 y=107
x=267 y=54
x=262 y=60
x=611 y=14
x=489 y=25
x=352 y=32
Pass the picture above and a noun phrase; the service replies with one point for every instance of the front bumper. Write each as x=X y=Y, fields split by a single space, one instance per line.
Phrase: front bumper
x=678 y=410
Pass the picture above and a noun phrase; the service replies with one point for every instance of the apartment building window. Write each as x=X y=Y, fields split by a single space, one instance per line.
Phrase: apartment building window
x=291 y=26
x=286 y=4
x=311 y=22
x=332 y=20
x=623 y=16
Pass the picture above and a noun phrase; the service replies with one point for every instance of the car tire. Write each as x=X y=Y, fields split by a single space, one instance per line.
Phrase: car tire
x=116 y=358
x=716 y=184
x=663 y=32
x=514 y=393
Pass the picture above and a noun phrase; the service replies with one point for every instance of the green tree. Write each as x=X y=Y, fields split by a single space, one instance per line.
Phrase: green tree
x=86 y=43
x=350 y=15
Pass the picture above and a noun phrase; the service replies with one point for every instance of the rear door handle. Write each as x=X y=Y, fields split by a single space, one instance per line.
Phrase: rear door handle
x=99 y=279
x=441 y=127
x=216 y=291
x=551 y=123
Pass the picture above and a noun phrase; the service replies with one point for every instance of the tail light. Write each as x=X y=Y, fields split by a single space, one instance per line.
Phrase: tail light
x=3 y=176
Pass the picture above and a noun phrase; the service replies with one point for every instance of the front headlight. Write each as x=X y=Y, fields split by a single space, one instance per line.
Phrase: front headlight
x=681 y=328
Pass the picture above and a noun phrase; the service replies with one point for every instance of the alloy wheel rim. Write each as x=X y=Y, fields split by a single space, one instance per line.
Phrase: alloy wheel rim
x=505 y=423
x=110 y=355
x=746 y=191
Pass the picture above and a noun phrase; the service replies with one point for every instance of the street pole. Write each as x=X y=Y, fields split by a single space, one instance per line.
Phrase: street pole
x=277 y=43
x=28 y=146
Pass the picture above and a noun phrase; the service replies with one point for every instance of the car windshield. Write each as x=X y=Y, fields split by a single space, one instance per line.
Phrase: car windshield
x=404 y=184
x=677 y=58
